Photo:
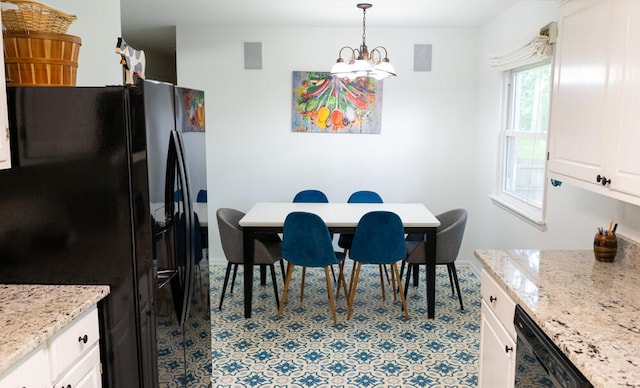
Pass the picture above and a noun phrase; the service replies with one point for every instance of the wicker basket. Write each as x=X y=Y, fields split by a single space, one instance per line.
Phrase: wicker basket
x=30 y=16
x=41 y=58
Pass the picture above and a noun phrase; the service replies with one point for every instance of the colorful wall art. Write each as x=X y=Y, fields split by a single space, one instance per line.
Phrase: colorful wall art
x=325 y=104
x=190 y=109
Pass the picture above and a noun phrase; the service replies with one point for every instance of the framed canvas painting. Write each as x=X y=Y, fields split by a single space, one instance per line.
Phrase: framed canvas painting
x=190 y=109
x=323 y=103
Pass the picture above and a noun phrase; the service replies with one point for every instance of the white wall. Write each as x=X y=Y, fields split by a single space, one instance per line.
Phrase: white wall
x=439 y=137
x=572 y=214
x=98 y=25
x=424 y=153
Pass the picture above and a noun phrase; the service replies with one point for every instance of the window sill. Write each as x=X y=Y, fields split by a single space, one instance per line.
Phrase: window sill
x=532 y=219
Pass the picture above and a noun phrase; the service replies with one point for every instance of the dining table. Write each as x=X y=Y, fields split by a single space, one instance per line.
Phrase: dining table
x=269 y=217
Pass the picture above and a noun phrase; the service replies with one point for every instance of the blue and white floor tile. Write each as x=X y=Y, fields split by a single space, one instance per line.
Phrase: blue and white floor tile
x=376 y=348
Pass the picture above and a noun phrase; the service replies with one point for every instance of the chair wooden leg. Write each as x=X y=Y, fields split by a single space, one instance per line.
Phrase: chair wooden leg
x=224 y=285
x=386 y=273
x=344 y=282
x=393 y=286
x=352 y=289
x=407 y=279
x=333 y=272
x=381 y=282
x=233 y=279
x=353 y=272
x=455 y=278
x=275 y=284
x=304 y=273
x=394 y=268
x=287 y=280
x=330 y=292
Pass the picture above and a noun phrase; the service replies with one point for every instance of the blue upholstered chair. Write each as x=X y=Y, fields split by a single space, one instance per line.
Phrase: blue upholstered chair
x=345 y=239
x=266 y=249
x=202 y=196
x=364 y=196
x=306 y=242
x=177 y=195
x=311 y=196
x=448 y=241
x=378 y=239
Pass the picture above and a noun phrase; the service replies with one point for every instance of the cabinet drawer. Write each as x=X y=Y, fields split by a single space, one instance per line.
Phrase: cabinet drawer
x=498 y=301
x=70 y=343
x=85 y=373
x=33 y=371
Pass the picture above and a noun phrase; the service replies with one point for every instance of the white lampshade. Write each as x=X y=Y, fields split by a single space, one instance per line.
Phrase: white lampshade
x=361 y=66
x=385 y=67
x=340 y=69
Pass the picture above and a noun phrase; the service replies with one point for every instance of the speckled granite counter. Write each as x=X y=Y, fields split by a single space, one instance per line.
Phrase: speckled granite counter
x=31 y=314
x=590 y=309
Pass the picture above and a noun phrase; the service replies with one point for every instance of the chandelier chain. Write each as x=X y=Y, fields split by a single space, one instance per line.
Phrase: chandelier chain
x=362 y=62
x=364 y=26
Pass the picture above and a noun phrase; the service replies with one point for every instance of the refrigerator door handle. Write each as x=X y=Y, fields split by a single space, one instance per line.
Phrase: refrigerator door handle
x=183 y=223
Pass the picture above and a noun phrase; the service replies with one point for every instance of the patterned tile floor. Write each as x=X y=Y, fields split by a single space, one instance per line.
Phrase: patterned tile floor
x=376 y=348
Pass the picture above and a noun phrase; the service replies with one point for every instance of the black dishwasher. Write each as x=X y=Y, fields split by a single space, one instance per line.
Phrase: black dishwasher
x=539 y=362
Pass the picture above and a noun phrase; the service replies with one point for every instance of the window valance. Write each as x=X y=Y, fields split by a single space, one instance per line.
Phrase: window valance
x=536 y=50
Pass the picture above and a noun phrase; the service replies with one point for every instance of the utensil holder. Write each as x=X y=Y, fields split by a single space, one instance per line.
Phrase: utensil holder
x=605 y=247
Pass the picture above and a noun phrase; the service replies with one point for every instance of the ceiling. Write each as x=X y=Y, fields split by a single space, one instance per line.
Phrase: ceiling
x=150 y=24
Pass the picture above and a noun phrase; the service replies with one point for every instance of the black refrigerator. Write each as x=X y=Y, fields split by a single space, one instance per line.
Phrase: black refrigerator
x=75 y=208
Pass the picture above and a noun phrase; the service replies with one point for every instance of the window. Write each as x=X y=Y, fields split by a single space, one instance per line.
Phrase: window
x=524 y=141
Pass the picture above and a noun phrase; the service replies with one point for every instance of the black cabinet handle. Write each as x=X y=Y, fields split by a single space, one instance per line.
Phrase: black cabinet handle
x=602 y=180
x=492 y=299
x=508 y=349
x=83 y=339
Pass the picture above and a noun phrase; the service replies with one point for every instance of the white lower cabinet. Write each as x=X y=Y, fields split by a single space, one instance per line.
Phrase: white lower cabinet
x=83 y=374
x=32 y=371
x=497 y=336
x=74 y=354
x=69 y=359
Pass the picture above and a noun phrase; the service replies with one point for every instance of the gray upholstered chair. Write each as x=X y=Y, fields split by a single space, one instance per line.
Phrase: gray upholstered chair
x=267 y=249
x=448 y=241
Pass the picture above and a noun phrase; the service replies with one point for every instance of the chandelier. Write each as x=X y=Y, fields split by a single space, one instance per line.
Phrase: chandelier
x=362 y=62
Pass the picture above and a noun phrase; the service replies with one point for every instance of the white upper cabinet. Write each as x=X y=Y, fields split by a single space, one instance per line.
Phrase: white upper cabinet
x=594 y=126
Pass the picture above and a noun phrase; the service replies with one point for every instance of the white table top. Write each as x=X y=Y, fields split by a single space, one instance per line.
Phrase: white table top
x=273 y=214
x=202 y=211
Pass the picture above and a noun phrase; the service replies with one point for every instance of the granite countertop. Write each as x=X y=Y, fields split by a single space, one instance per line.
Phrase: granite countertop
x=31 y=314
x=589 y=309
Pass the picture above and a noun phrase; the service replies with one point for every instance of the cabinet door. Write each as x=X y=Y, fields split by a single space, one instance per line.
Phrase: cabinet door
x=580 y=90
x=497 y=353
x=624 y=171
